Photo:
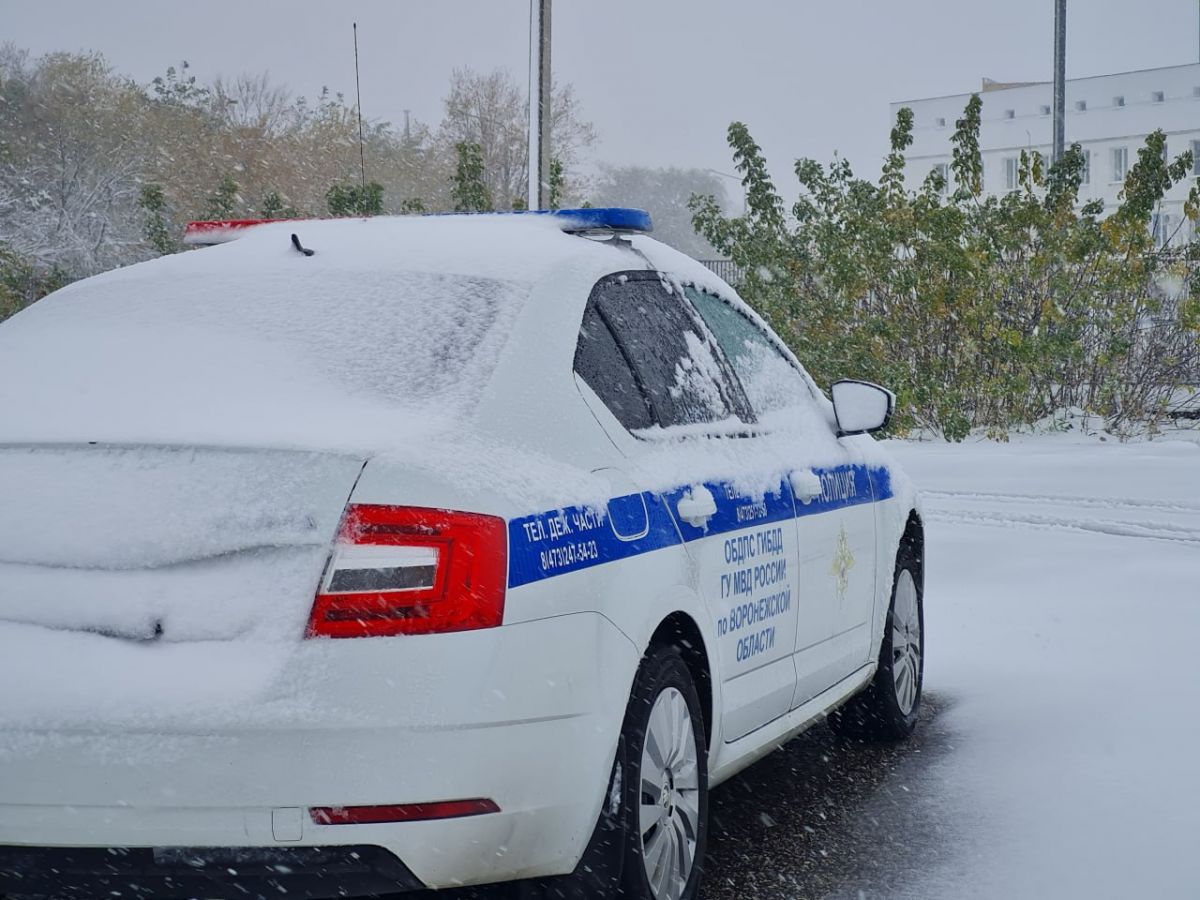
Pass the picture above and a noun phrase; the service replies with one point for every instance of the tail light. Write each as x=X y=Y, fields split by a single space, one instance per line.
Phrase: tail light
x=409 y=570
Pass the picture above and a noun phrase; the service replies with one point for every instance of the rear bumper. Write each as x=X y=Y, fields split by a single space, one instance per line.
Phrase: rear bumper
x=526 y=715
x=306 y=873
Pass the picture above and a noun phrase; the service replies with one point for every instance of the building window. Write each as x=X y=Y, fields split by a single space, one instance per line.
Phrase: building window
x=1196 y=157
x=1012 y=173
x=940 y=121
x=1010 y=114
x=943 y=169
x=1118 y=101
x=1120 y=163
x=1161 y=226
x=1156 y=97
x=1080 y=105
x=1085 y=176
x=1045 y=110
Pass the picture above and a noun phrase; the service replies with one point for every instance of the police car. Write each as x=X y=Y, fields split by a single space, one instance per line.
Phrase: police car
x=358 y=556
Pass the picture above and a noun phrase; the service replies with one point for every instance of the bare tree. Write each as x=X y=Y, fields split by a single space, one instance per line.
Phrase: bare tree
x=69 y=172
x=491 y=110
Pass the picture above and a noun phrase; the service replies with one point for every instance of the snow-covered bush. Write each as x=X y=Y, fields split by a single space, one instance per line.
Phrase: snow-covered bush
x=97 y=171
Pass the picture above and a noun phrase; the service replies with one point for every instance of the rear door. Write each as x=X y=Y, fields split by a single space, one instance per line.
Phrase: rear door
x=735 y=517
x=835 y=522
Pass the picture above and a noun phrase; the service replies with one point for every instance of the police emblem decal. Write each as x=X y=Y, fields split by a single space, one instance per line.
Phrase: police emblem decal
x=843 y=562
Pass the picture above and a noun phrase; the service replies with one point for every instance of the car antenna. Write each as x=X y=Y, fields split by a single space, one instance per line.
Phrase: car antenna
x=300 y=247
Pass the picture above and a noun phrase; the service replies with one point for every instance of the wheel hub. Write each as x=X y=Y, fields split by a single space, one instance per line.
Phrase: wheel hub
x=670 y=810
x=906 y=642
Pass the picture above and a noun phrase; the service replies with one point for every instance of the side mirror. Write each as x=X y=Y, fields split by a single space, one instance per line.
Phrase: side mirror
x=861 y=407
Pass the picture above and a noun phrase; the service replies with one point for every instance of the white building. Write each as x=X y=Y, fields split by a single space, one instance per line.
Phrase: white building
x=1109 y=115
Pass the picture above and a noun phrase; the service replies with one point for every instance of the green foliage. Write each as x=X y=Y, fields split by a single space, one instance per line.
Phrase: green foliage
x=22 y=283
x=413 y=206
x=355 y=199
x=469 y=192
x=178 y=88
x=275 y=207
x=557 y=183
x=155 y=227
x=222 y=202
x=967 y=162
x=982 y=312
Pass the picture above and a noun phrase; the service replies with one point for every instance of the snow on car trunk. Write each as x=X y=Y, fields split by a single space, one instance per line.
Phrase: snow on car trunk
x=157 y=580
x=167 y=543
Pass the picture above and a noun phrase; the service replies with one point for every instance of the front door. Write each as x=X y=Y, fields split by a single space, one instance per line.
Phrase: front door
x=835 y=525
x=831 y=487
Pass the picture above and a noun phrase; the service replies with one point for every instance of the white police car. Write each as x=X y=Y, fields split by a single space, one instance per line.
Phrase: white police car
x=368 y=555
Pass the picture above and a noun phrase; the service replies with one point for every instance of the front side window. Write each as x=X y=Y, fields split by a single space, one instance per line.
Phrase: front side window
x=674 y=360
x=770 y=380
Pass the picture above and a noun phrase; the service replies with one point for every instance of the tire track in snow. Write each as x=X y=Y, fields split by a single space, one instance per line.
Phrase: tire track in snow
x=1147 y=530
x=1068 y=500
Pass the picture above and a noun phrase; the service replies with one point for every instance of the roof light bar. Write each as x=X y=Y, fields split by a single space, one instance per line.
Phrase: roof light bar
x=607 y=218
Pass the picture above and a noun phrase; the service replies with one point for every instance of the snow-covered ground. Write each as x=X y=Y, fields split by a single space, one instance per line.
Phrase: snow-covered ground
x=1063 y=625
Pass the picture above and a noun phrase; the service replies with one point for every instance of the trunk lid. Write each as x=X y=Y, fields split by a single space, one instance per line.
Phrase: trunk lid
x=167 y=544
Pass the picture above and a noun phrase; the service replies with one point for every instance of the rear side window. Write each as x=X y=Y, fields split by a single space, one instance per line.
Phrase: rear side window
x=602 y=365
x=676 y=364
x=769 y=378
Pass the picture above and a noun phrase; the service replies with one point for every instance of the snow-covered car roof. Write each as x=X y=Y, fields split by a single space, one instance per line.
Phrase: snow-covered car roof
x=388 y=316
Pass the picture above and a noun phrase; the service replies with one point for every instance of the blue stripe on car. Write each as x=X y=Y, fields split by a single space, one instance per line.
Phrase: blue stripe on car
x=573 y=538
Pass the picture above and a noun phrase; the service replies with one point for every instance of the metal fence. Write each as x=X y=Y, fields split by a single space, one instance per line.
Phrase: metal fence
x=726 y=269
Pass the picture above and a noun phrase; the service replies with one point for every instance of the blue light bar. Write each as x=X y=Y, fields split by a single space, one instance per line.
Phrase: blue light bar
x=604 y=218
x=611 y=218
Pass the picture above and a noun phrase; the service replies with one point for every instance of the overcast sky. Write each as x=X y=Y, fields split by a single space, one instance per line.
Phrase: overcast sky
x=661 y=79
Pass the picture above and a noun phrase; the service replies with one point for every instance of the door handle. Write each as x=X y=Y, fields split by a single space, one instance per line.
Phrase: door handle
x=697 y=506
x=806 y=485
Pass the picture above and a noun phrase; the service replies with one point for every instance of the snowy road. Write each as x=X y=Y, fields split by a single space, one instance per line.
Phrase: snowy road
x=1058 y=755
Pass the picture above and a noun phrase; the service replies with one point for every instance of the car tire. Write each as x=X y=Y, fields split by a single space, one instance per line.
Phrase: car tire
x=890 y=706
x=614 y=861
x=667 y=756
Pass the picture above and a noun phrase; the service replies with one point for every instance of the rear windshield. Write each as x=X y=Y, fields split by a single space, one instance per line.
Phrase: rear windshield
x=406 y=337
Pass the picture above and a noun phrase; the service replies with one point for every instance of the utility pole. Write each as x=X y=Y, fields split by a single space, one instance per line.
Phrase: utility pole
x=539 y=104
x=1060 y=79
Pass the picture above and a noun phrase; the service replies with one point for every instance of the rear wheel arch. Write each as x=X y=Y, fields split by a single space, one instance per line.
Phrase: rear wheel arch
x=679 y=630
